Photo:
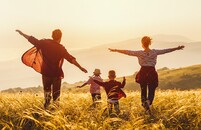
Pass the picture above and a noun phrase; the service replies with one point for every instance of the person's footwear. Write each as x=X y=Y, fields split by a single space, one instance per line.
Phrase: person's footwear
x=113 y=115
x=47 y=99
x=46 y=105
x=146 y=106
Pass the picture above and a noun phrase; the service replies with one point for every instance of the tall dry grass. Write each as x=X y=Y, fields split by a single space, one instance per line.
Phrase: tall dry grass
x=171 y=109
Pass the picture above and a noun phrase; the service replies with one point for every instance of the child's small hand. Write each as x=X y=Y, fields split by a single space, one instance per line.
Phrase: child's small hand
x=78 y=86
x=124 y=78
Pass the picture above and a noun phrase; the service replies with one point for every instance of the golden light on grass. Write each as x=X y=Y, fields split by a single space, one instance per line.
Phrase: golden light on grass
x=172 y=109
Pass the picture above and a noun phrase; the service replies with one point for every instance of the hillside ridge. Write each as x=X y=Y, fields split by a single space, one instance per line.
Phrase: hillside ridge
x=184 y=78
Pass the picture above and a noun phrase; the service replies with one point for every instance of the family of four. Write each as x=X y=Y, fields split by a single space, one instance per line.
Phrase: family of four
x=47 y=57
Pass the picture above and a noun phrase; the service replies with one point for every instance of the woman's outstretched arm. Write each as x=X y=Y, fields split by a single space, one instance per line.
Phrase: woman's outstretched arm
x=159 y=52
x=127 y=52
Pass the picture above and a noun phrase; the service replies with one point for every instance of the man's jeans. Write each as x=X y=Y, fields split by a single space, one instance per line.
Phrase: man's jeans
x=51 y=85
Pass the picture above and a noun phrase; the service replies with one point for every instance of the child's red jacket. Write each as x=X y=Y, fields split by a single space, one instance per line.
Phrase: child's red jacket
x=113 y=88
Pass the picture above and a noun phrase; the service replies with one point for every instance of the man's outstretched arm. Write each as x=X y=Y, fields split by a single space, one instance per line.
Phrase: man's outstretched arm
x=72 y=60
x=78 y=65
x=23 y=34
x=31 y=39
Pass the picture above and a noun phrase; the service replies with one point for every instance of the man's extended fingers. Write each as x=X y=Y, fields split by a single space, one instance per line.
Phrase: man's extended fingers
x=84 y=70
x=20 y=32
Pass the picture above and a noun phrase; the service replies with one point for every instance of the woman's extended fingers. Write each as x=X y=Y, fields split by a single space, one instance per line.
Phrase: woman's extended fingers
x=17 y=30
x=112 y=50
x=181 y=47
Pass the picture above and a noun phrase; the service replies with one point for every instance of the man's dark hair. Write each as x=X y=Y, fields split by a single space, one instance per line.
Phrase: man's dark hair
x=56 y=34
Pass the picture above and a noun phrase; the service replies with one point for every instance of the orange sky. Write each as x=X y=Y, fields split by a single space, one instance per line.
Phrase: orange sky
x=87 y=23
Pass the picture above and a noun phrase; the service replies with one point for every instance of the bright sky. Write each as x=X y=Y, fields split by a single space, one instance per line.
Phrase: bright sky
x=87 y=23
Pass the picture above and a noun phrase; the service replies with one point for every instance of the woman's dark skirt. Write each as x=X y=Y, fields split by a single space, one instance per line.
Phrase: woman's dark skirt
x=147 y=75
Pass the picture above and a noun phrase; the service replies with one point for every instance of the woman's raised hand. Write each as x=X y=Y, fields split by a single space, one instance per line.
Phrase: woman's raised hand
x=112 y=50
x=180 y=47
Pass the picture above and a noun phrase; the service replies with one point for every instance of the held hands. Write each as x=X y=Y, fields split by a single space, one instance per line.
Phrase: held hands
x=180 y=47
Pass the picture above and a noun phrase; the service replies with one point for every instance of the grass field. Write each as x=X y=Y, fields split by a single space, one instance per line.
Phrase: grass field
x=172 y=109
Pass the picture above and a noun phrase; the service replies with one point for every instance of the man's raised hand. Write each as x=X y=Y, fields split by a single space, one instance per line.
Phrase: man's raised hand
x=24 y=35
x=20 y=32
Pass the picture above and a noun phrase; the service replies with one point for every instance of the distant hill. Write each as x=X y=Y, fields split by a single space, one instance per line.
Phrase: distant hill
x=182 y=78
x=15 y=74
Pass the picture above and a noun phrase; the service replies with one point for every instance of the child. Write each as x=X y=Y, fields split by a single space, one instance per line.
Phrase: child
x=94 y=88
x=113 y=91
x=147 y=77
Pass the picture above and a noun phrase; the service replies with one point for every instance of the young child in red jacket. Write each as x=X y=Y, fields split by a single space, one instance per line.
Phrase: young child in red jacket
x=113 y=91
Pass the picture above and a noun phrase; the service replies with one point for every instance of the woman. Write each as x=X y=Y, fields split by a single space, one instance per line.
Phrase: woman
x=147 y=77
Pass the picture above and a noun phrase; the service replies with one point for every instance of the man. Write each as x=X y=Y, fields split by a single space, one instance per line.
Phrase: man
x=46 y=57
